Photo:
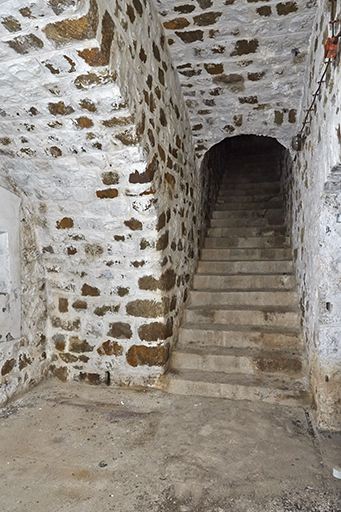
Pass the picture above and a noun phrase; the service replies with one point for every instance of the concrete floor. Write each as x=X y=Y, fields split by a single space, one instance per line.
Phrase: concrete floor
x=77 y=448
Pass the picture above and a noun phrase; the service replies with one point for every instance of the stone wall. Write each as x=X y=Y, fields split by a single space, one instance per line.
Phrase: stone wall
x=315 y=197
x=98 y=139
x=241 y=64
x=23 y=359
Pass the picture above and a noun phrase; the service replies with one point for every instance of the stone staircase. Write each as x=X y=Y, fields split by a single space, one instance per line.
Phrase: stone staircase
x=241 y=333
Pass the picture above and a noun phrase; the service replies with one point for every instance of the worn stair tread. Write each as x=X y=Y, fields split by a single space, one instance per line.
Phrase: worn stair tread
x=254 y=206
x=238 y=352
x=247 y=254
x=241 y=328
x=218 y=291
x=250 y=231
x=267 y=388
x=240 y=307
x=239 y=378
x=242 y=242
x=267 y=222
x=239 y=267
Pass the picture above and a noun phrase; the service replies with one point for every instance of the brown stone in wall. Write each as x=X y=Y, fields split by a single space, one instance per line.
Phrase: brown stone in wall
x=256 y=76
x=54 y=151
x=65 y=223
x=110 y=178
x=93 y=57
x=121 y=291
x=102 y=310
x=88 y=105
x=147 y=176
x=292 y=115
x=110 y=348
x=214 y=69
x=24 y=361
x=118 y=121
x=176 y=24
x=156 y=331
x=147 y=308
x=79 y=304
x=234 y=82
x=161 y=221
x=108 y=28
x=8 y=366
x=12 y=24
x=61 y=373
x=25 y=43
x=205 y=4
x=167 y=280
x=83 y=122
x=108 y=193
x=140 y=355
x=278 y=117
x=238 y=120
x=148 y=283
x=170 y=179
x=191 y=36
x=59 y=342
x=127 y=137
x=91 y=378
x=244 y=47
x=79 y=29
x=138 y=7
x=60 y=108
x=68 y=358
x=131 y=13
x=133 y=224
x=90 y=290
x=265 y=10
x=285 y=8
x=162 y=242
x=63 y=305
x=207 y=18
x=77 y=345
x=184 y=9
x=251 y=100
x=120 y=330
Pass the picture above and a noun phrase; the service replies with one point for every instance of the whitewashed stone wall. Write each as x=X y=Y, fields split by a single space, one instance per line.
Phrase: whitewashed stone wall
x=96 y=135
x=241 y=64
x=316 y=209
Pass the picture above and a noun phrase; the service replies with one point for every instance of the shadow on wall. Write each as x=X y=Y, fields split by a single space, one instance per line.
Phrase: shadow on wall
x=227 y=156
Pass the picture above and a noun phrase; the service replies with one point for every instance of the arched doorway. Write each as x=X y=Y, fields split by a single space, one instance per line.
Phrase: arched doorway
x=241 y=336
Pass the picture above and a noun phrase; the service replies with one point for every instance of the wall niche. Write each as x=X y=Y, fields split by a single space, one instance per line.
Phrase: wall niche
x=10 y=315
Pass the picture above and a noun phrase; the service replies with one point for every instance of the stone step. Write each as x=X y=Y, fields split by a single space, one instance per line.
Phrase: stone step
x=267 y=221
x=264 y=198
x=252 y=177
x=279 y=241
x=252 y=231
x=254 y=205
x=246 y=254
x=262 y=317
x=246 y=281
x=257 y=198
x=285 y=298
x=235 y=386
x=246 y=267
x=262 y=213
x=242 y=336
x=252 y=361
x=252 y=188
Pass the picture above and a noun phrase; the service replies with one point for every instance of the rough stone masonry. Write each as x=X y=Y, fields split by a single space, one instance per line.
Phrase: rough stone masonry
x=108 y=111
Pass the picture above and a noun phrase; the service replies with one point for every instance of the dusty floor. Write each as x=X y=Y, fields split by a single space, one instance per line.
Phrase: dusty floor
x=74 y=447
